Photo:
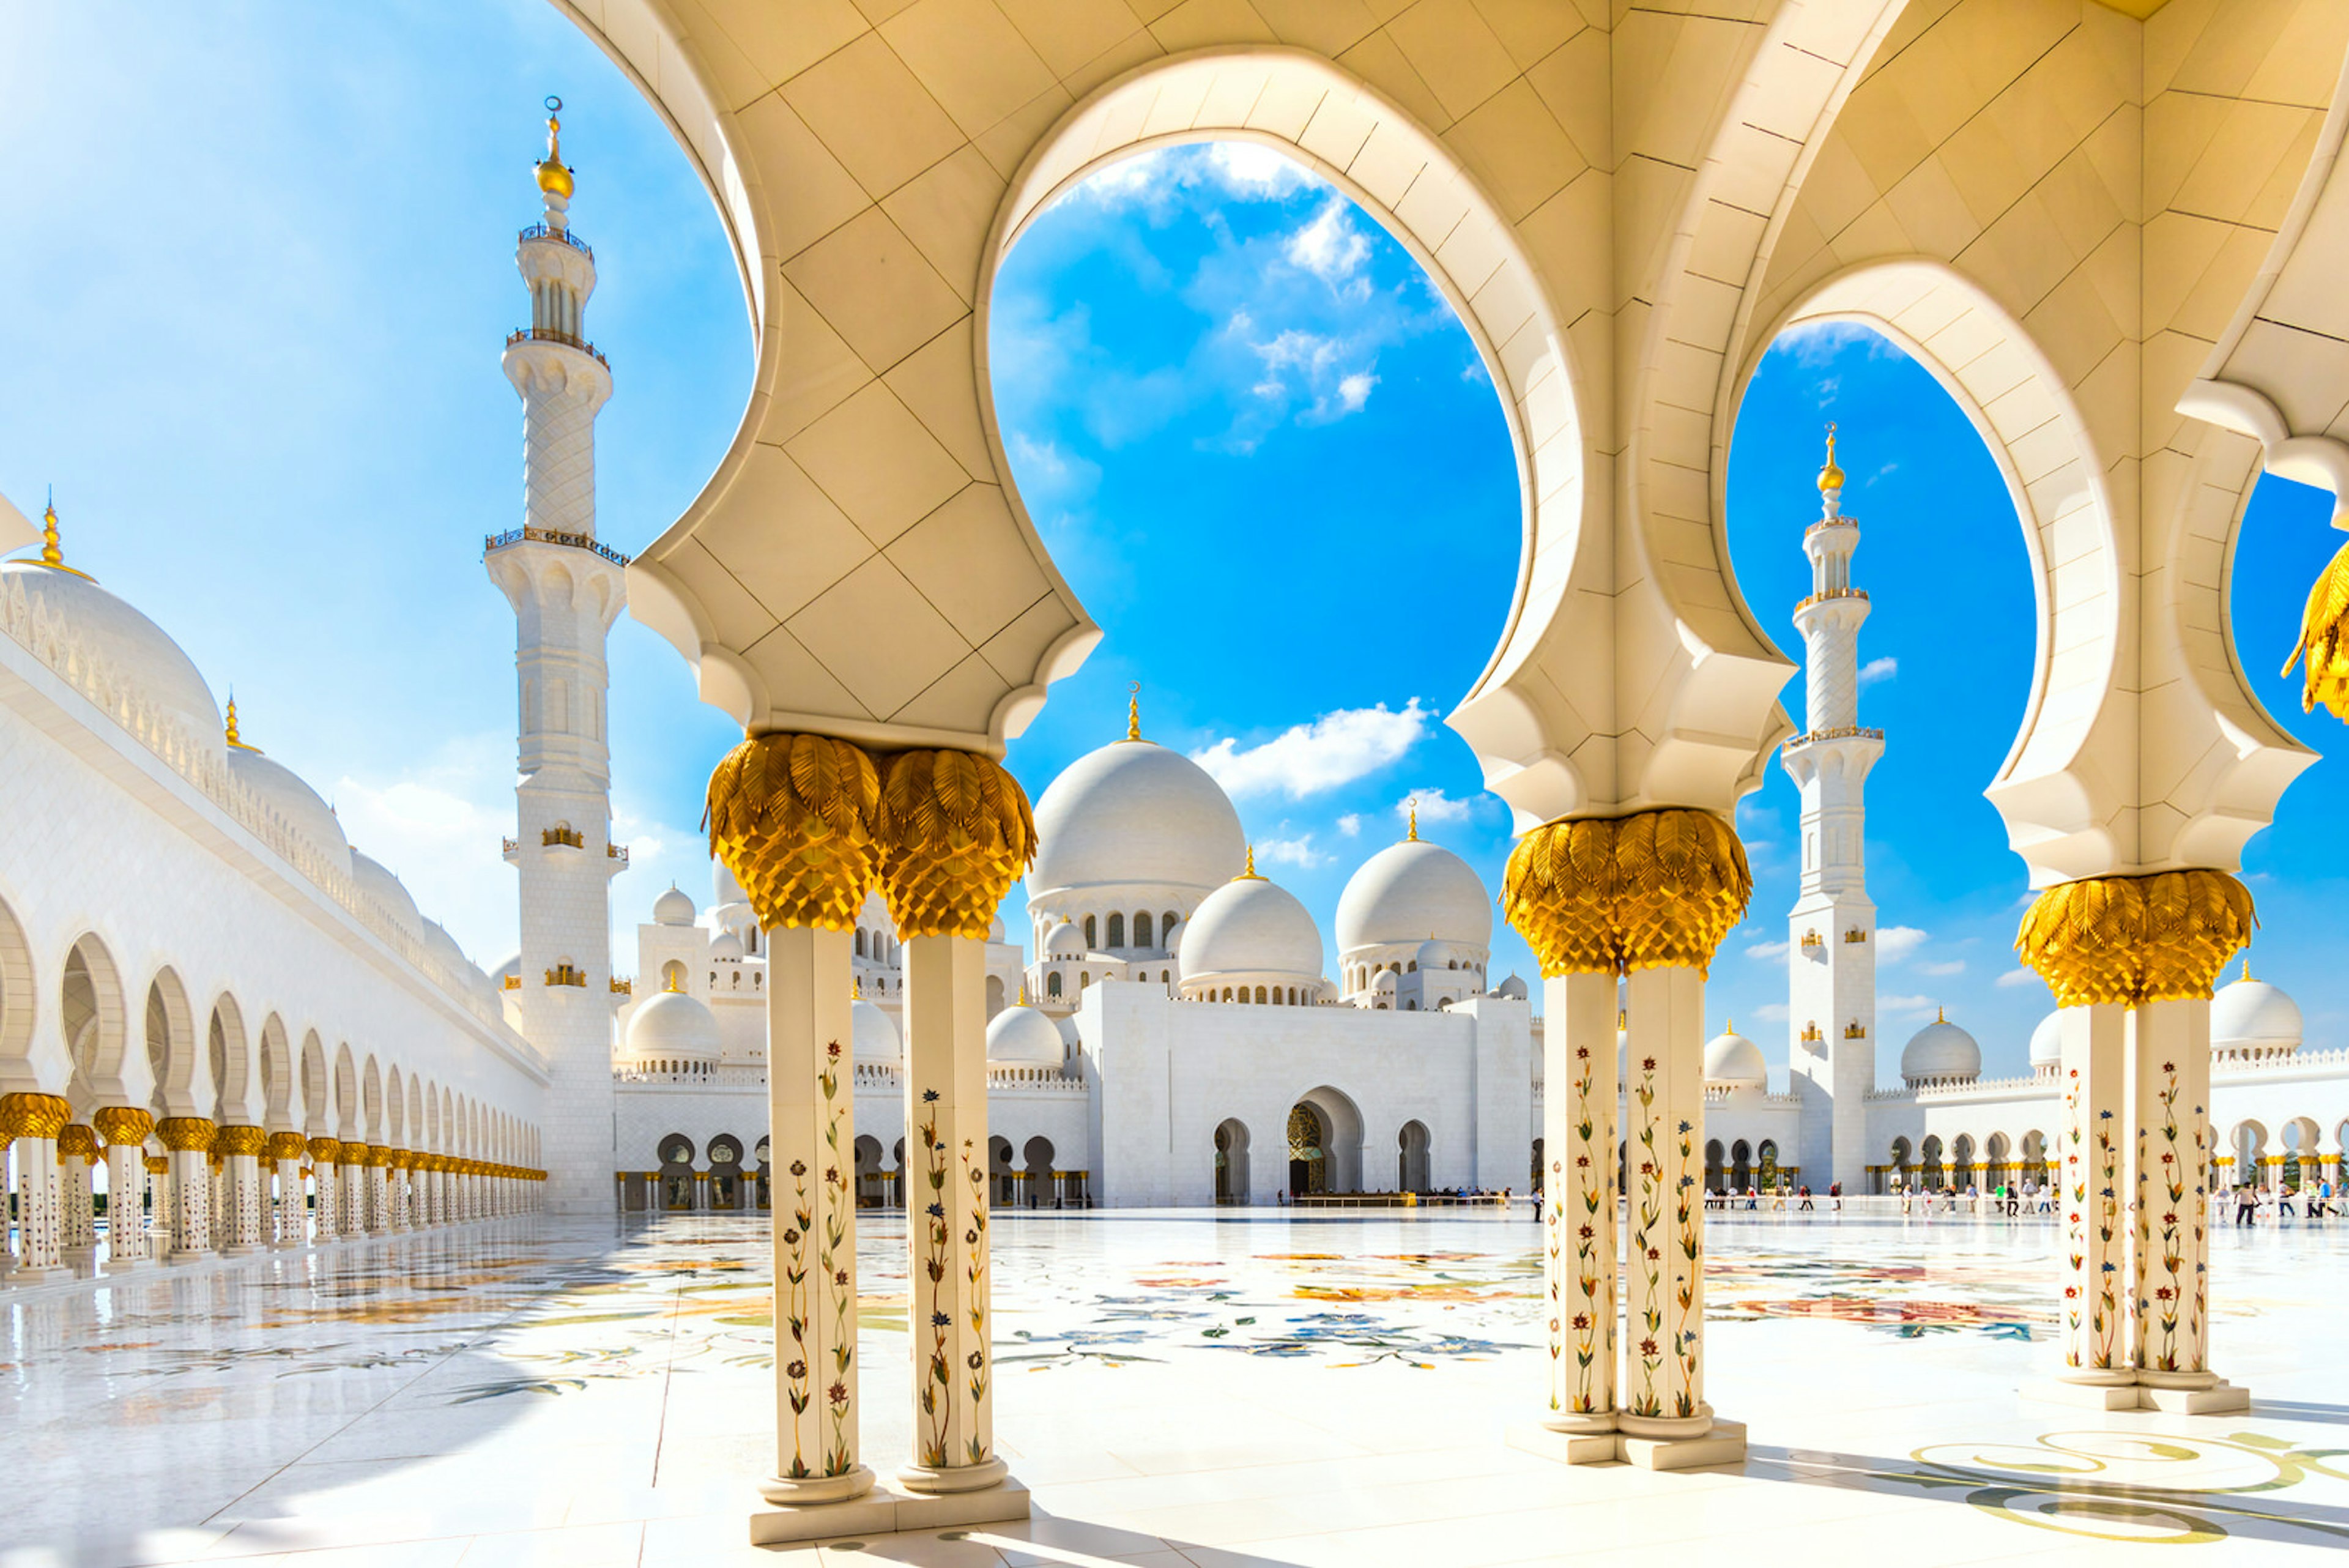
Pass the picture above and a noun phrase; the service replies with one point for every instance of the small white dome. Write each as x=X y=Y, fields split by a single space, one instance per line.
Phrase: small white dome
x=1064 y=941
x=723 y=888
x=375 y=881
x=1412 y=892
x=136 y=651
x=995 y=929
x=1171 y=938
x=283 y=792
x=875 y=1033
x=1431 y=955
x=1023 y=1038
x=1513 y=988
x=2251 y=1014
x=673 y=908
x=672 y=1025
x=726 y=945
x=1135 y=812
x=1386 y=981
x=1735 y=1061
x=2047 y=1041
x=442 y=946
x=1940 y=1053
x=1250 y=925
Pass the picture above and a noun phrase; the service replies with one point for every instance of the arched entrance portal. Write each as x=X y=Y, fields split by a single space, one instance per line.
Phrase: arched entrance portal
x=1325 y=1144
x=1411 y=1157
x=1309 y=1151
x=1232 y=1162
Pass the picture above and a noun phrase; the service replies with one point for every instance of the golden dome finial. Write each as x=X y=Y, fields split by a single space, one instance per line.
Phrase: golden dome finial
x=1941 y=1016
x=553 y=176
x=2247 y=968
x=50 y=555
x=1732 y=1029
x=1133 y=711
x=233 y=738
x=856 y=989
x=1249 y=875
x=1413 y=838
x=1830 y=476
x=1023 y=992
x=669 y=983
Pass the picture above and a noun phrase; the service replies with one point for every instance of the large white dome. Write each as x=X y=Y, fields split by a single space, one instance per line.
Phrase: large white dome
x=2253 y=1015
x=1251 y=926
x=1940 y=1053
x=1414 y=892
x=1135 y=812
x=376 y=879
x=874 y=1034
x=283 y=791
x=1731 y=1059
x=1023 y=1038
x=2047 y=1041
x=136 y=650
x=673 y=1024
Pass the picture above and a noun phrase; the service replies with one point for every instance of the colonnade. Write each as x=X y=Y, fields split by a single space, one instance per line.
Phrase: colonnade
x=809 y=825
x=221 y=1190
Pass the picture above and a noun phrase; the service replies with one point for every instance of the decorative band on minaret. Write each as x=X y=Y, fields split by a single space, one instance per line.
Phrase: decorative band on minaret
x=1830 y=945
x=566 y=590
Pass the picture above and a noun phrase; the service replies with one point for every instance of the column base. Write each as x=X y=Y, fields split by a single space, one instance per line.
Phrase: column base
x=125 y=1265
x=244 y=1250
x=888 y=1508
x=938 y=1478
x=188 y=1255
x=23 y=1275
x=2203 y=1395
x=1723 y=1443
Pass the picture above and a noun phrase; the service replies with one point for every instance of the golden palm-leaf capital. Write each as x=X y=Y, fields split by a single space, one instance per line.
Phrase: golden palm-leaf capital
x=957 y=832
x=2325 y=639
x=240 y=1140
x=1612 y=894
x=324 y=1150
x=75 y=1138
x=793 y=817
x=34 y=1115
x=2162 y=937
x=187 y=1135
x=286 y=1145
x=123 y=1124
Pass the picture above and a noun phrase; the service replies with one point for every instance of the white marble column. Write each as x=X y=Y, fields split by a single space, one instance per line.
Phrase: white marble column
x=1578 y=1209
x=327 y=1201
x=189 y=1224
x=2094 y=1193
x=125 y=1131
x=31 y=1123
x=242 y=1148
x=1663 y=1111
x=78 y=1218
x=947 y=1216
x=812 y=1132
x=290 y=1219
x=378 y=1189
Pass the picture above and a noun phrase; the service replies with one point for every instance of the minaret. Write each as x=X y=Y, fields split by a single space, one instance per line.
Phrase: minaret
x=1831 y=935
x=566 y=589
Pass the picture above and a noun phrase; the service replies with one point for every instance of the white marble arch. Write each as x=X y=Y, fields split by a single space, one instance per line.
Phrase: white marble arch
x=280 y=1078
x=95 y=1019
x=2104 y=776
x=172 y=1051
x=230 y=1059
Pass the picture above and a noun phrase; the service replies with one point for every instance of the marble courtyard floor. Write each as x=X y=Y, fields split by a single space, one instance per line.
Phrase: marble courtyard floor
x=1233 y=1391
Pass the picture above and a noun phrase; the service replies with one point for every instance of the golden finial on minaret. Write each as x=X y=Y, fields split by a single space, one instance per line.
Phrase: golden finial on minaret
x=1830 y=476
x=1413 y=838
x=553 y=176
x=1133 y=711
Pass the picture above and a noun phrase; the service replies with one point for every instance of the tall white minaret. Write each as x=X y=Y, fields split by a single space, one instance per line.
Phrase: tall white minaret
x=566 y=589
x=1831 y=935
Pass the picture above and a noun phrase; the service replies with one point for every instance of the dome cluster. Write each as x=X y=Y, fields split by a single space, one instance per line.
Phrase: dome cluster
x=1142 y=874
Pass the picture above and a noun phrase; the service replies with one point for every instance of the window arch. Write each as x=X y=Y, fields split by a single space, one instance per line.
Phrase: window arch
x=1141 y=929
x=1092 y=941
x=1116 y=931
x=860 y=942
x=673 y=975
x=1052 y=984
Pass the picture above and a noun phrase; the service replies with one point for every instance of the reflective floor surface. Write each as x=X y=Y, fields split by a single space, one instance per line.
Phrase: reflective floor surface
x=1222 y=1390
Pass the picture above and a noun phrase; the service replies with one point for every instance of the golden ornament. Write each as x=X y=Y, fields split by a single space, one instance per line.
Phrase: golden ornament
x=34 y=1115
x=287 y=1146
x=74 y=1139
x=123 y=1124
x=793 y=817
x=242 y=1140
x=1612 y=894
x=187 y=1135
x=324 y=1150
x=957 y=834
x=2325 y=639
x=2135 y=939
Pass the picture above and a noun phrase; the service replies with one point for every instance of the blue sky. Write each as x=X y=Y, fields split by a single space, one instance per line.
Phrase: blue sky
x=260 y=271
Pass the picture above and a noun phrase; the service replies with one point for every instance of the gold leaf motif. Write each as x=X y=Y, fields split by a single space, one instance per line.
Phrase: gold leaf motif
x=1612 y=894
x=2325 y=639
x=958 y=832
x=793 y=818
x=2134 y=940
x=187 y=1135
x=34 y=1115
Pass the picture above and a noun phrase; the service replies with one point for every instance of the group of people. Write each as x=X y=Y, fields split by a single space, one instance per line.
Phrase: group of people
x=2010 y=1199
x=1751 y=1199
x=2254 y=1204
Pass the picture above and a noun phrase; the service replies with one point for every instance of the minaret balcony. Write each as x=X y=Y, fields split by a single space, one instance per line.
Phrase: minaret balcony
x=569 y=340
x=560 y=236
x=1820 y=597
x=1837 y=733
x=493 y=543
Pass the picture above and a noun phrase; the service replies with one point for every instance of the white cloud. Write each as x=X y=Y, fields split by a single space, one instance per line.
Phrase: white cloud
x=1435 y=805
x=1894 y=943
x=1946 y=966
x=1333 y=751
x=1350 y=824
x=1906 y=1006
x=1767 y=951
x=1772 y=1012
x=1877 y=669
x=1331 y=248
x=1252 y=170
x=1298 y=851
x=2016 y=977
x=1144 y=177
